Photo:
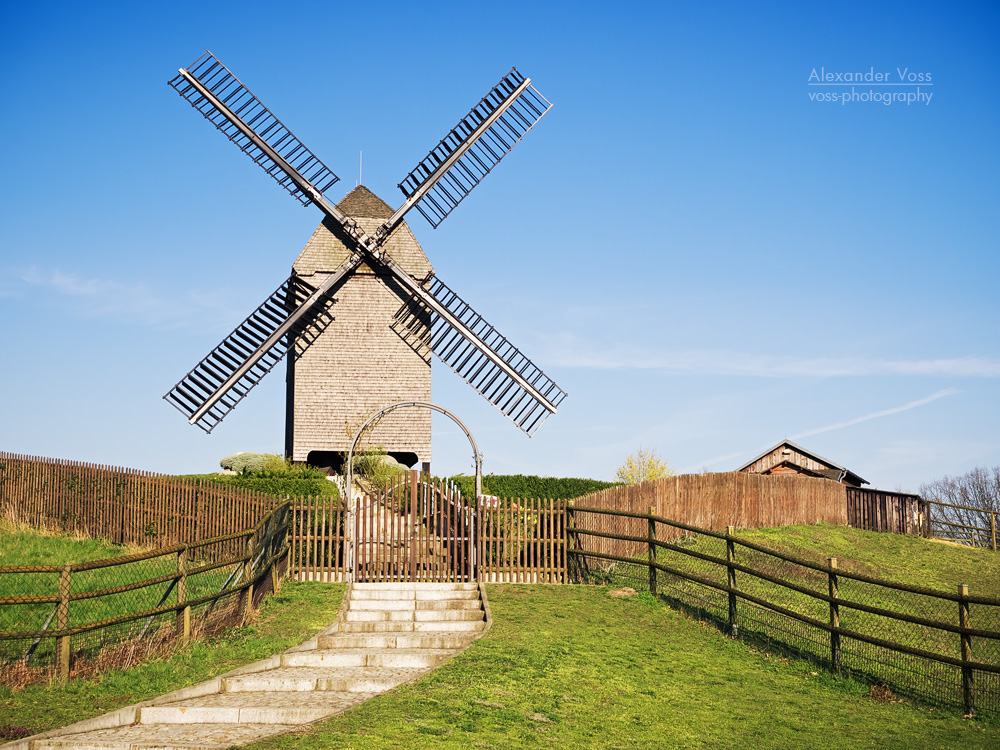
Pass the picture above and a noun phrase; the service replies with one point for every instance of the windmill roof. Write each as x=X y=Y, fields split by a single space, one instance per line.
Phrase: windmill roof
x=328 y=246
x=363 y=203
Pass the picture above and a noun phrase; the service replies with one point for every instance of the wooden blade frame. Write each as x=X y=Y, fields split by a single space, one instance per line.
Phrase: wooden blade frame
x=213 y=97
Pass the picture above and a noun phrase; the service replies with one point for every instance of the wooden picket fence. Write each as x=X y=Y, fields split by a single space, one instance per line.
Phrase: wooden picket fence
x=416 y=530
x=514 y=540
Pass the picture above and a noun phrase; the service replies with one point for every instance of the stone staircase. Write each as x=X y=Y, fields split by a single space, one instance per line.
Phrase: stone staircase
x=386 y=634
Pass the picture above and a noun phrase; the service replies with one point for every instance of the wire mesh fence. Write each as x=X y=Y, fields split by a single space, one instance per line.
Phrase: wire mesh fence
x=57 y=620
x=936 y=647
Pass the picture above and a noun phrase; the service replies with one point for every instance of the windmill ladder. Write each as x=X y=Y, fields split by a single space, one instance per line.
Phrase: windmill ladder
x=385 y=635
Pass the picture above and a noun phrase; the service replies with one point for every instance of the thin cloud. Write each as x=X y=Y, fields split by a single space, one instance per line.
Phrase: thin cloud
x=132 y=302
x=566 y=351
x=878 y=414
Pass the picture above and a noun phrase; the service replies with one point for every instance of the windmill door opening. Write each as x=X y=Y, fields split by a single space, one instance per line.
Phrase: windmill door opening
x=416 y=530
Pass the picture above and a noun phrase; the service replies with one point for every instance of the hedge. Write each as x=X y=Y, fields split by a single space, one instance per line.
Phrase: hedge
x=521 y=486
x=297 y=481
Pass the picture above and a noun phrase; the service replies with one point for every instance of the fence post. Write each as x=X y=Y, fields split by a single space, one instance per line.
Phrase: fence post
x=652 y=551
x=734 y=627
x=62 y=621
x=928 y=533
x=968 y=695
x=246 y=605
x=183 y=615
x=834 y=617
x=993 y=531
x=570 y=567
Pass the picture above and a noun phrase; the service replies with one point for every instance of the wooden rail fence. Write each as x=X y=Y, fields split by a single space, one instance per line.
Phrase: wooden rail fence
x=655 y=552
x=108 y=602
x=959 y=523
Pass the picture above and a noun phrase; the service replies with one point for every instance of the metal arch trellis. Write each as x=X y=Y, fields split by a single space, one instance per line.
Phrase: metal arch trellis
x=351 y=509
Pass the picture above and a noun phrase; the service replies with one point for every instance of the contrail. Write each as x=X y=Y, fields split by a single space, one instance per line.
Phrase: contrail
x=830 y=427
x=877 y=414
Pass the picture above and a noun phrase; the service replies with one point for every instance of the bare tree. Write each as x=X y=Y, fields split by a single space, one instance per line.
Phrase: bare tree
x=978 y=494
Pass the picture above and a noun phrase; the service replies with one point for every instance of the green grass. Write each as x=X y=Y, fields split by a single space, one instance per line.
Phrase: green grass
x=572 y=667
x=562 y=666
x=299 y=611
x=903 y=559
x=24 y=546
x=907 y=560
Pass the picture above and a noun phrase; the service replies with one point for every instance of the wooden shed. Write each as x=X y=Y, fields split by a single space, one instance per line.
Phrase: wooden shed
x=789 y=458
x=357 y=364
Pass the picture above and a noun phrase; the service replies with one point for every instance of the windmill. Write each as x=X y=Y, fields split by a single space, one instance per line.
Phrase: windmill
x=431 y=318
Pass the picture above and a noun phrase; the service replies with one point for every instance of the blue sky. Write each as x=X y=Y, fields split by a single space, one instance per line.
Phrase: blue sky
x=704 y=256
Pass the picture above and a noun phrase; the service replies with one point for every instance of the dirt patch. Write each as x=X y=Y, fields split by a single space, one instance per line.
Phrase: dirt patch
x=623 y=592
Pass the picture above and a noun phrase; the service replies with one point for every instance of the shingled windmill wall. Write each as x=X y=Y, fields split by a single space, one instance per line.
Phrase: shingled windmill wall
x=358 y=365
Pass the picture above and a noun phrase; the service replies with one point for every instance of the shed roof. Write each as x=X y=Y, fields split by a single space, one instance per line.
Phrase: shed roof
x=834 y=471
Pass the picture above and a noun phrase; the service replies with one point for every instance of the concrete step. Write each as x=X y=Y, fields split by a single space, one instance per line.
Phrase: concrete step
x=449 y=615
x=425 y=658
x=408 y=594
x=378 y=615
x=337 y=679
x=393 y=640
x=415 y=586
x=397 y=626
x=163 y=737
x=381 y=605
x=386 y=605
x=253 y=708
x=384 y=626
x=402 y=615
x=441 y=604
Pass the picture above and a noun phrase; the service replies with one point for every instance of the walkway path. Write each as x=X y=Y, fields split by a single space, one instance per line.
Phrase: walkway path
x=386 y=634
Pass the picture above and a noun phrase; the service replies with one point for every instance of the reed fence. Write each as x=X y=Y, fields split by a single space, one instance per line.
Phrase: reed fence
x=124 y=506
x=735 y=498
x=53 y=617
x=934 y=646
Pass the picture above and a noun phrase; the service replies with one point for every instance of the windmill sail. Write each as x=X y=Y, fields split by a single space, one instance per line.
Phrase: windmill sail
x=473 y=147
x=223 y=378
x=223 y=99
x=458 y=335
x=474 y=349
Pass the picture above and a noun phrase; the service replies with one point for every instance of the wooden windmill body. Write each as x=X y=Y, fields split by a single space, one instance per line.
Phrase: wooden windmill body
x=363 y=311
x=358 y=364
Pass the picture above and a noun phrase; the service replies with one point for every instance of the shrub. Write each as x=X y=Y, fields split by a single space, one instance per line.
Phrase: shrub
x=377 y=467
x=642 y=466
x=253 y=462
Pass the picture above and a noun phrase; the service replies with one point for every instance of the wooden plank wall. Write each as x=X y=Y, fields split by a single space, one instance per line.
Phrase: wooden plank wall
x=879 y=510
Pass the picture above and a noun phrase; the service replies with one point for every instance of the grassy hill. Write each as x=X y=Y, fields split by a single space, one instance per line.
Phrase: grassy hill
x=903 y=559
x=571 y=666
